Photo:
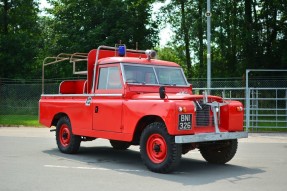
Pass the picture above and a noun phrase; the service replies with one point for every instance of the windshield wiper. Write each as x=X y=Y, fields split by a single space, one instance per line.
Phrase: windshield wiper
x=168 y=84
x=141 y=83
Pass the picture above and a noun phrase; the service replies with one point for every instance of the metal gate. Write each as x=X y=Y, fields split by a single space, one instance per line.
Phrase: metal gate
x=266 y=107
x=265 y=104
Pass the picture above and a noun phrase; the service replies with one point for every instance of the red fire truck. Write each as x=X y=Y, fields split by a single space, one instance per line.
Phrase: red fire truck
x=131 y=98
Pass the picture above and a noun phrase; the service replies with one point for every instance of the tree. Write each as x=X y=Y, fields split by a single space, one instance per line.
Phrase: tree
x=187 y=20
x=19 y=37
x=171 y=54
x=81 y=25
x=246 y=34
x=227 y=38
x=177 y=13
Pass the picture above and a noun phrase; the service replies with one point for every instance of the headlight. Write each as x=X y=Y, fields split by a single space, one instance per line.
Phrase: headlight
x=181 y=109
x=194 y=106
x=239 y=108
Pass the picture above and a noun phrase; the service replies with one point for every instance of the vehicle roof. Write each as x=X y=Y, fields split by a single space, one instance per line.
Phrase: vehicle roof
x=143 y=61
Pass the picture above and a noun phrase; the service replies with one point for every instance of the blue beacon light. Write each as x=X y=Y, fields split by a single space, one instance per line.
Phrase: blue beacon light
x=122 y=51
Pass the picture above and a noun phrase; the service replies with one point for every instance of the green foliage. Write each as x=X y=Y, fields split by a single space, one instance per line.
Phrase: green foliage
x=26 y=37
x=188 y=38
x=249 y=34
x=81 y=25
x=173 y=54
x=19 y=37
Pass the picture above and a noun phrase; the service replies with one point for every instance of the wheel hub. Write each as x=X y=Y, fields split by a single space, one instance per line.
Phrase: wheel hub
x=65 y=135
x=156 y=148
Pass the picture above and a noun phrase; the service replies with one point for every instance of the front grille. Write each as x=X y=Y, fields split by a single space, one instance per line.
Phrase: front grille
x=203 y=114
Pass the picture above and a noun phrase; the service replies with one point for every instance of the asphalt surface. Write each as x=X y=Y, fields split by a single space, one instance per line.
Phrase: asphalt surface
x=30 y=160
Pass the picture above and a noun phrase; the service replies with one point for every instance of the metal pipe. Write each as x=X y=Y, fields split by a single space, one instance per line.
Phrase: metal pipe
x=286 y=106
x=208 y=15
x=56 y=60
x=247 y=101
x=276 y=107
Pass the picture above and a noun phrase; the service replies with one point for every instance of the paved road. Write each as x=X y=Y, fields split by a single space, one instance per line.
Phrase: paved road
x=29 y=160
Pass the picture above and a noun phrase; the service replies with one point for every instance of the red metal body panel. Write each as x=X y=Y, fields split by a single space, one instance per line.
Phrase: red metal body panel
x=72 y=87
x=107 y=115
x=134 y=110
x=117 y=118
x=136 y=61
x=232 y=119
x=73 y=106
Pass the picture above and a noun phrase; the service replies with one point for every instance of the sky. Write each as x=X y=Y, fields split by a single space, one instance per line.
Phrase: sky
x=43 y=4
x=164 y=34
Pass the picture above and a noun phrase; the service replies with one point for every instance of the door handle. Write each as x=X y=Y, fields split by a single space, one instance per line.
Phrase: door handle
x=88 y=101
x=96 y=109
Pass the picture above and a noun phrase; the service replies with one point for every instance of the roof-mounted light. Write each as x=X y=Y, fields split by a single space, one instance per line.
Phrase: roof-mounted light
x=151 y=54
x=122 y=50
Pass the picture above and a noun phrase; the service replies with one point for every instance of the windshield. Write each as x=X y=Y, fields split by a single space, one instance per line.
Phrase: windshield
x=154 y=75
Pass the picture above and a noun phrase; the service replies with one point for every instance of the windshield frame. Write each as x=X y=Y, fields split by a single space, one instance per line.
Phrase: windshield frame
x=153 y=66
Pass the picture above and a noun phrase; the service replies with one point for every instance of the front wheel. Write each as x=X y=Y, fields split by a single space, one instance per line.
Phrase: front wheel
x=158 y=150
x=219 y=152
x=67 y=142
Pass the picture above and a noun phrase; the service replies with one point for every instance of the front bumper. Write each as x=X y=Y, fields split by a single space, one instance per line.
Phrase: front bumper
x=204 y=137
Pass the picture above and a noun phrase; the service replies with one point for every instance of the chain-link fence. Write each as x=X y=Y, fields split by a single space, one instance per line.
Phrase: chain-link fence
x=20 y=97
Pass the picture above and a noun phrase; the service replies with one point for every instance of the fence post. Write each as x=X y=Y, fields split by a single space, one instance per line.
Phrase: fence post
x=247 y=102
x=276 y=108
x=286 y=105
x=257 y=107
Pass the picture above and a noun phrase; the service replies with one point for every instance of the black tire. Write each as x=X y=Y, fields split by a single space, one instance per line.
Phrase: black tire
x=219 y=152
x=158 y=150
x=120 y=145
x=67 y=142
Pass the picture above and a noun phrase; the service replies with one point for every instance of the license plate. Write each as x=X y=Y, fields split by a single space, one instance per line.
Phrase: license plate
x=184 y=121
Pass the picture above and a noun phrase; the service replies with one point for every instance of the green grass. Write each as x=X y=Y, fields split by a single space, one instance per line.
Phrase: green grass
x=17 y=120
x=267 y=130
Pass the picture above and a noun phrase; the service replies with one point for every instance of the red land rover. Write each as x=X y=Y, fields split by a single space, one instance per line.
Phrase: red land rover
x=130 y=98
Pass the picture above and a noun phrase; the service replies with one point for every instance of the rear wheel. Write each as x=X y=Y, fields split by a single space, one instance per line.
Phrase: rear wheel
x=120 y=145
x=219 y=152
x=158 y=150
x=67 y=142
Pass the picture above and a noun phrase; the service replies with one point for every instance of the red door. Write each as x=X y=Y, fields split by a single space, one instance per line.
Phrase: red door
x=107 y=114
x=107 y=103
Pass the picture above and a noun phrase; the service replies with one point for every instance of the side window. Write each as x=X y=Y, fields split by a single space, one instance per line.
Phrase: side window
x=109 y=79
x=103 y=78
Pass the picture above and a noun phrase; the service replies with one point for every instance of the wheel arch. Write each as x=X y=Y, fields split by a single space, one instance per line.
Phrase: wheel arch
x=57 y=117
x=142 y=123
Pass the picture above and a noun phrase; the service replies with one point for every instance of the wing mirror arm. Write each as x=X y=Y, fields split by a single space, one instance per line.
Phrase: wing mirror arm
x=162 y=93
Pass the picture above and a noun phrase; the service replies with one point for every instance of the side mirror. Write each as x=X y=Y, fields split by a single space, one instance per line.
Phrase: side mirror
x=162 y=94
